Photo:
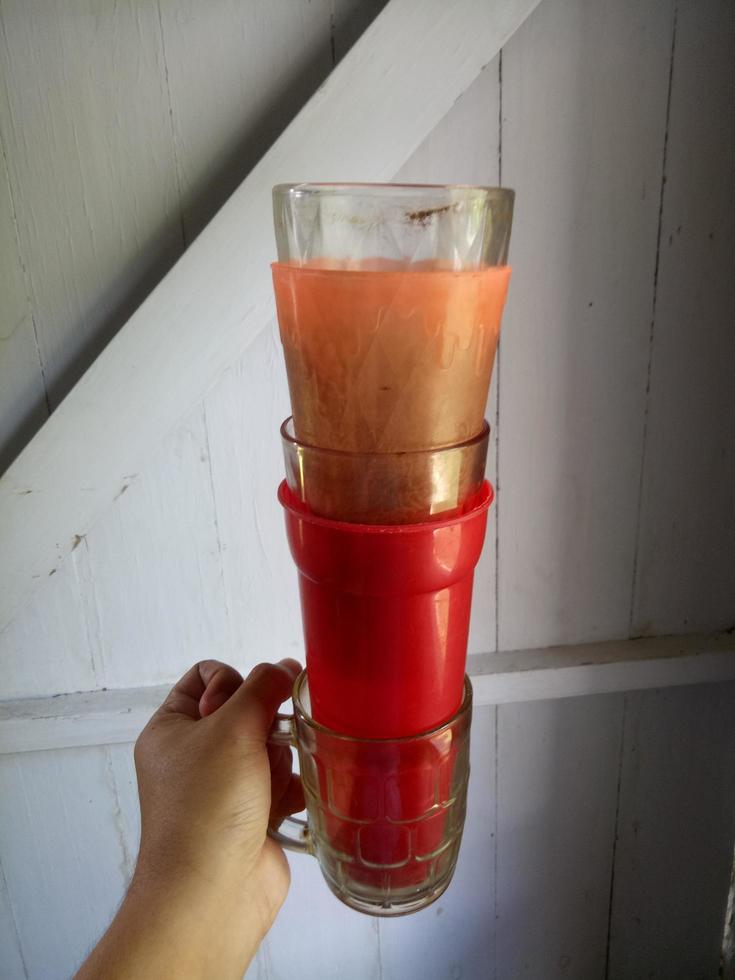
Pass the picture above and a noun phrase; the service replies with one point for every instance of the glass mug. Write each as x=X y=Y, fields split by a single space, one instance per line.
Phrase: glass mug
x=385 y=816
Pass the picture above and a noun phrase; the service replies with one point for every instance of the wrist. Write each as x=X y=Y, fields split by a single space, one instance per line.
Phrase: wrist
x=224 y=903
x=181 y=926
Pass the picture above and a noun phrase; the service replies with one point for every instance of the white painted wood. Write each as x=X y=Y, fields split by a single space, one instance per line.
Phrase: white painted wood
x=243 y=415
x=270 y=56
x=125 y=800
x=154 y=599
x=455 y=937
x=12 y=966
x=601 y=668
x=556 y=789
x=46 y=648
x=685 y=577
x=61 y=854
x=584 y=104
x=98 y=220
x=464 y=149
x=675 y=834
x=106 y=717
x=22 y=397
x=315 y=935
x=350 y=19
x=401 y=76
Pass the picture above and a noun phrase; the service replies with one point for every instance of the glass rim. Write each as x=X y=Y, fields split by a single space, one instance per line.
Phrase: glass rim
x=289 y=438
x=346 y=187
x=299 y=709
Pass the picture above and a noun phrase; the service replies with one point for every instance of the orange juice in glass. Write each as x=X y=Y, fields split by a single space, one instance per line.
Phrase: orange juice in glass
x=389 y=301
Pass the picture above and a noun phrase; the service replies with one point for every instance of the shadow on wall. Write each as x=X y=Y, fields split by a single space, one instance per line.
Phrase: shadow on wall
x=113 y=302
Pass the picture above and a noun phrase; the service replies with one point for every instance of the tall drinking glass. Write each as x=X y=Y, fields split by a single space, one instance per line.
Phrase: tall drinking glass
x=389 y=301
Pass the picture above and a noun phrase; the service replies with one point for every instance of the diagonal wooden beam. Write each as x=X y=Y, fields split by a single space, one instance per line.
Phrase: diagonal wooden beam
x=376 y=107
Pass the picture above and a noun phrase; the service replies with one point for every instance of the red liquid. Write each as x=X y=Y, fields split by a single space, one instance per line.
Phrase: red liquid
x=389 y=813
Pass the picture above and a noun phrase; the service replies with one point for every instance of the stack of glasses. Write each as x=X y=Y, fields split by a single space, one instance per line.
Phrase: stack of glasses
x=389 y=302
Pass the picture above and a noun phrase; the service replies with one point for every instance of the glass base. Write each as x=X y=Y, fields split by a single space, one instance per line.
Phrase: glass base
x=399 y=902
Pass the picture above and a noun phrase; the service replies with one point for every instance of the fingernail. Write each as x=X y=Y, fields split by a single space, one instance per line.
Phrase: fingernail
x=292 y=666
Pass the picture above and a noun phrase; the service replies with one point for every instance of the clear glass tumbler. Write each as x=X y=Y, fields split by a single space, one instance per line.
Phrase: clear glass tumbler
x=385 y=816
x=385 y=488
x=389 y=301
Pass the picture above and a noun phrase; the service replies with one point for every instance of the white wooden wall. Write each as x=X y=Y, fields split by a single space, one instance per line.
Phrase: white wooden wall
x=600 y=836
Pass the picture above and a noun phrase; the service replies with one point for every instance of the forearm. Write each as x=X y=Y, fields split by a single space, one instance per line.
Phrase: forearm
x=180 y=928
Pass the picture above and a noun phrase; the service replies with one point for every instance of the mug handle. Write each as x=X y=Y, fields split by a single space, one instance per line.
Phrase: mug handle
x=283 y=733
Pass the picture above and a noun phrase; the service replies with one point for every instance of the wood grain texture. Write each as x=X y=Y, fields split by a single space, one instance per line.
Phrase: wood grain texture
x=676 y=829
x=584 y=106
x=59 y=838
x=206 y=312
x=557 y=789
x=455 y=937
x=86 y=116
x=464 y=149
x=22 y=395
x=685 y=573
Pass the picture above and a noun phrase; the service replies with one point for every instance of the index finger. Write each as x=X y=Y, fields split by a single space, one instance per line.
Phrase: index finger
x=185 y=695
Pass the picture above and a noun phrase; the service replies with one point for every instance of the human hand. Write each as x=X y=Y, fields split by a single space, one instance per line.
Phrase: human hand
x=208 y=882
x=209 y=786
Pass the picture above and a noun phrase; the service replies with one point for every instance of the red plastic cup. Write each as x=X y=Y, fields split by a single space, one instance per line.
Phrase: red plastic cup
x=386 y=612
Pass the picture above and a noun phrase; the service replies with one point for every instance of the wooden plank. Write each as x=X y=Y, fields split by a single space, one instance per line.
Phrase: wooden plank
x=243 y=415
x=59 y=838
x=601 y=668
x=47 y=648
x=72 y=720
x=348 y=22
x=316 y=935
x=12 y=966
x=402 y=76
x=464 y=149
x=557 y=791
x=22 y=395
x=455 y=937
x=584 y=105
x=675 y=834
x=110 y=716
x=98 y=222
x=155 y=601
x=685 y=578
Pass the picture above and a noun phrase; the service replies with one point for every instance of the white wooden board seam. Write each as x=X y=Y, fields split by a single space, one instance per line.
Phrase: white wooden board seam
x=108 y=717
x=652 y=329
